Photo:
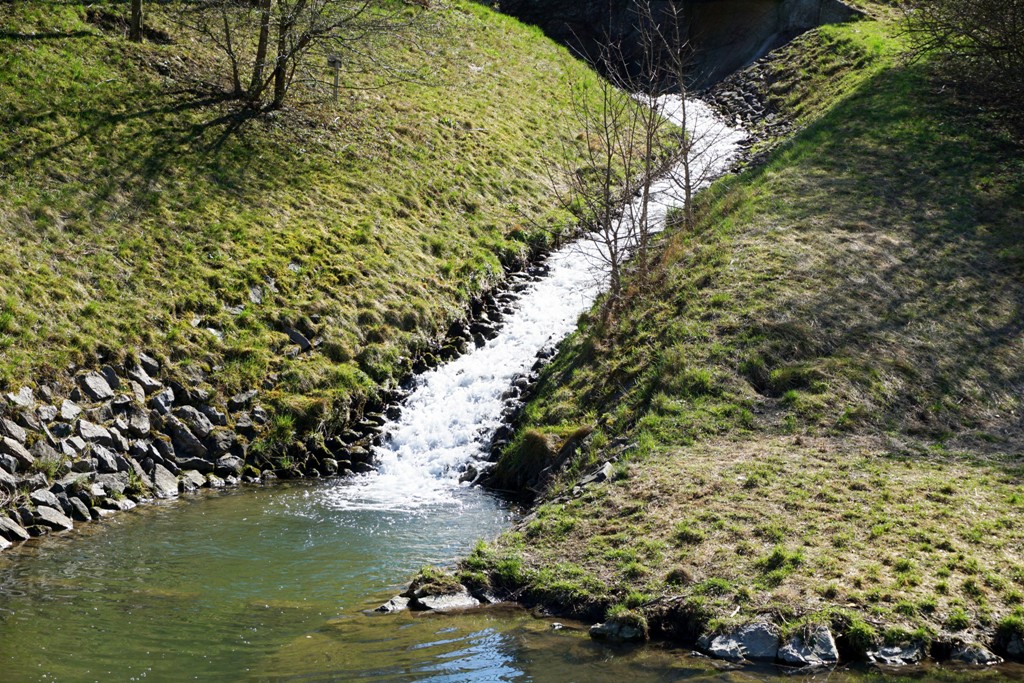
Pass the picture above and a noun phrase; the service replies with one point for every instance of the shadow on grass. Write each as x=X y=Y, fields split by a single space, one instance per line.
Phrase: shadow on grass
x=915 y=203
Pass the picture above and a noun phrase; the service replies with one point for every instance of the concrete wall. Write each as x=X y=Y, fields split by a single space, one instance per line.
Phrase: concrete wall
x=726 y=35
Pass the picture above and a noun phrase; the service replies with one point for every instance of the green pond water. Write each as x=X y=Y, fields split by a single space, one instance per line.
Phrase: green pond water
x=271 y=584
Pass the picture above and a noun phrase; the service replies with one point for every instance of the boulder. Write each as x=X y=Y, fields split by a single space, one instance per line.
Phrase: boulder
x=162 y=401
x=47 y=413
x=395 y=604
x=11 y=530
x=142 y=378
x=298 y=338
x=110 y=375
x=192 y=480
x=755 y=642
x=45 y=497
x=199 y=464
x=215 y=482
x=815 y=646
x=12 y=431
x=975 y=655
x=198 y=423
x=220 y=441
x=617 y=631
x=69 y=410
x=898 y=655
x=95 y=386
x=165 y=484
x=139 y=425
x=215 y=416
x=52 y=518
x=241 y=401
x=9 y=446
x=149 y=364
x=79 y=510
x=94 y=433
x=229 y=465
x=185 y=442
x=106 y=462
x=444 y=603
x=113 y=482
x=5 y=544
x=25 y=398
x=8 y=463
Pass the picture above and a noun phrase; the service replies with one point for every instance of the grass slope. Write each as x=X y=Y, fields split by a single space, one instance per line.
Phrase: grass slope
x=140 y=210
x=814 y=408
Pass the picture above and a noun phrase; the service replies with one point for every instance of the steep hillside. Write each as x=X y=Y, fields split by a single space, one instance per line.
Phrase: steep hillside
x=143 y=210
x=812 y=414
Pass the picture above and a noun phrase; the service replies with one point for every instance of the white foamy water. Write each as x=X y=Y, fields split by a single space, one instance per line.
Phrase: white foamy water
x=453 y=410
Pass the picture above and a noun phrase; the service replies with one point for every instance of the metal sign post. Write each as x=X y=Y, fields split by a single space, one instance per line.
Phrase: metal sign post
x=334 y=62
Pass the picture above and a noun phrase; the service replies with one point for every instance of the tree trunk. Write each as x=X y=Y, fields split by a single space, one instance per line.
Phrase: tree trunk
x=135 y=27
x=256 y=85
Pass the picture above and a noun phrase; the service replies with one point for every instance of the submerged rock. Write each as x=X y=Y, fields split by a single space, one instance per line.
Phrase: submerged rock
x=395 y=604
x=974 y=654
x=898 y=655
x=618 y=631
x=814 y=647
x=445 y=602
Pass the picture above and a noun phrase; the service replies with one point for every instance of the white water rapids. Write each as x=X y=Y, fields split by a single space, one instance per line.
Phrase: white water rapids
x=448 y=419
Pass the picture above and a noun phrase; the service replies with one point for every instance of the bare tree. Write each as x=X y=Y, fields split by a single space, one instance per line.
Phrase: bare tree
x=981 y=40
x=269 y=45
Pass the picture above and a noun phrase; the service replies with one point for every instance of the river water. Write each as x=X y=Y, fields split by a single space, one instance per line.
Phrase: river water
x=272 y=583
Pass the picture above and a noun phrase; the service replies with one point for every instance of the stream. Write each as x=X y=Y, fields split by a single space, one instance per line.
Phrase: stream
x=272 y=583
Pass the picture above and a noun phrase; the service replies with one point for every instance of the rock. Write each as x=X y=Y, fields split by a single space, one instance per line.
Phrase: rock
x=79 y=510
x=106 y=462
x=12 y=431
x=220 y=441
x=109 y=374
x=898 y=655
x=975 y=655
x=95 y=386
x=28 y=420
x=165 y=484
x=244 y=425
x=200 y=464
x=617 y=631
x=45 y=497
x=162 y=401
x=241 y=401
x=259 y=415
x=603 y=474
x=229 y=465
x=114 y=482
x=192 y=480
x=198 y=423
x=755 y=642
x=47 y=413
x=395 y=604
x=5 y=544
x=11 y=530
x=148 y=364
x=8 y=463
x=9 y=446
x=814 y=647
x=61 y=430
x=69 y=410
x=52 y=518
x=94 y=433
x=139 y=425
x=445 y=603
x=43 y=451
x=215 y=416
x=23 y=399
x=215 y=482
x=185 y=442
x=122 y=504
x=142 y=378
x=298 y=338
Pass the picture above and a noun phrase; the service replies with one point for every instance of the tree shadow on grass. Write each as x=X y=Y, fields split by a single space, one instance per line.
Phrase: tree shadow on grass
x=915 y=207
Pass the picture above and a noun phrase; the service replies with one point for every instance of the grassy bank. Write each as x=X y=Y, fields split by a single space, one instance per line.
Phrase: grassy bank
x=140 y=209
x=813 y=411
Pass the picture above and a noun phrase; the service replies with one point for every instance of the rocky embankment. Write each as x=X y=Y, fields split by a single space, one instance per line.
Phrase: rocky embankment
x=127 y=433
